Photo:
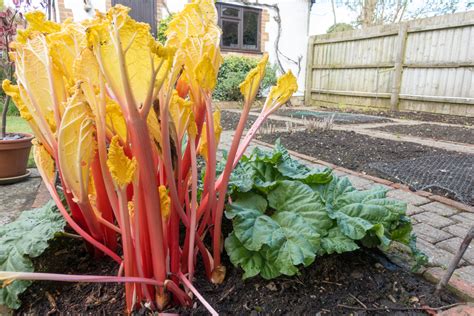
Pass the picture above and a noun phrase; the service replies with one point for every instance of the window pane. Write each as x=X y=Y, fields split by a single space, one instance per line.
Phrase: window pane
x=250 y=30
x=232 y=12
x=230 y=33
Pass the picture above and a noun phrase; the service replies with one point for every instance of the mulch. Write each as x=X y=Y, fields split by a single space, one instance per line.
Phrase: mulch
x=439 y=132
x=359 y=279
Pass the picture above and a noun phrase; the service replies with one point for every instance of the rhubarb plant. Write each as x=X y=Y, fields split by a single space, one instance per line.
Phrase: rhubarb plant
x=121 y=120
x=285 y=214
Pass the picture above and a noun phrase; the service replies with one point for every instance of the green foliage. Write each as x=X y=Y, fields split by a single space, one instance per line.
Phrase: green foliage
x=284 y=214
x=12 y=109
x=233 y=71
x=162 y=27
x=26 y=238
x=339 y=27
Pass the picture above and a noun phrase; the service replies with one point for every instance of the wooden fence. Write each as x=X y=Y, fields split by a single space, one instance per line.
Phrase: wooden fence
x=421 y=65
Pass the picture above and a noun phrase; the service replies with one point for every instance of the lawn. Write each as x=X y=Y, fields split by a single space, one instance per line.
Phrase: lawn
x=17 y=124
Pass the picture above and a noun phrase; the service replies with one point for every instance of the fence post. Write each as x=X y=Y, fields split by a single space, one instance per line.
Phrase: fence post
x=309 y=72
x=398 y=69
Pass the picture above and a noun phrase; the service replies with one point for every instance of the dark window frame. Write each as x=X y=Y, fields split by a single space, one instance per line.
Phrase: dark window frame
x=240 y=20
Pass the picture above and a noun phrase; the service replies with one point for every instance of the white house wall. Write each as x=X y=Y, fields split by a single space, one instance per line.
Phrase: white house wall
x=294 y=33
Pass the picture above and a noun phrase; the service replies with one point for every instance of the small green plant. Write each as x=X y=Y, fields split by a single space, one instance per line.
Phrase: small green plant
x=26 y=238
x=285 y=214
x=233 y=71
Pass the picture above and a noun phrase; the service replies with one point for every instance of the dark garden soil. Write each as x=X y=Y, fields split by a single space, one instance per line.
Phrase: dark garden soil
x=337 y=117
x=357 y=279
x=439 y=132
x=355 y=151
x=348 y=149
x=415 y=116
x=229 y=121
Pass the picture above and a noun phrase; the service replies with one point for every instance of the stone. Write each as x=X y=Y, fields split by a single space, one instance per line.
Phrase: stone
x=359 y=183
x=434 y=220
x=440 y=209
x=430 y=234
x=452 y=245
x=464 y=218
x=412 y=210
x=466 y=273
x=457 y=285
x=458 y=230
x=460 y=310
x=408 y=197
x=436 y=257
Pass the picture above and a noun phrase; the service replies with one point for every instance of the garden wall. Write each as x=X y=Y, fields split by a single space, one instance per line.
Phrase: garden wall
x=420 y=65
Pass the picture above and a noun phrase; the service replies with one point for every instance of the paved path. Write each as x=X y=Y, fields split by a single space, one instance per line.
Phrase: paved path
x=439 y=223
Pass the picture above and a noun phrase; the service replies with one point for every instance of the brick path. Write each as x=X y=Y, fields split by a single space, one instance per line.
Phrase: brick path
x=439 y=223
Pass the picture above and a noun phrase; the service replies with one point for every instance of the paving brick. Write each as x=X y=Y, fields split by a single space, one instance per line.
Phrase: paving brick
x=464 y=218
x=461 y=310
x=436 y=257
x=440 y=208
x=434 y=220
x=465 y=273
x=359 y=183
x=452 y=245
x=412 y=210
x=408 y=197
x=430 y=234
x=460 y=287
x=458 y=230
x=339 y=173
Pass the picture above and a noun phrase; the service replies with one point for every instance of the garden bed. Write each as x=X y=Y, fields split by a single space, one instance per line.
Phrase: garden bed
x=439 y=132
x=229 y=121
x=324 y=286
x=357 y=152
x=338 y=117
x=415 y=116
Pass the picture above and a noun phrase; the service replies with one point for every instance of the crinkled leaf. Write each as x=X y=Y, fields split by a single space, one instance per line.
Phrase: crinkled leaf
x=252 y=262
x=297 y=197
x=28 y=236
x=336 y=241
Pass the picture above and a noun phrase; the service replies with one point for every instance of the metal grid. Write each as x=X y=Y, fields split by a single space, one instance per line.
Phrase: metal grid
x=453 y=173
x=347 y=118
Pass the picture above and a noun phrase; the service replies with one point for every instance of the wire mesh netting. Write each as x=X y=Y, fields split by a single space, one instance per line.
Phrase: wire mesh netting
x=348 y=118
x=453 y=173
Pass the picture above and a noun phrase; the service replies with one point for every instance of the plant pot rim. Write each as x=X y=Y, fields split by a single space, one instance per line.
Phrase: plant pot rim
x=27 y=138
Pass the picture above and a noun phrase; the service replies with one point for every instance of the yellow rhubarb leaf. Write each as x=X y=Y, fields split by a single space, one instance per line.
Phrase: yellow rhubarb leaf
x=202 y=147
x=281 y=93
x=114 y=119
x=250 y=86
x=205 y=73
x=76 y=146
x=180 y=111
x=44 y=162
x=116 y=39
x=121 y=167
x=37 y=24
x=154 y=128
x=165 y=202
x=14 y=92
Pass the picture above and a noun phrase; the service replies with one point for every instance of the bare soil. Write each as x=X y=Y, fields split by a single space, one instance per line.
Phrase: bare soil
x=357 y=279
x=439 y=132
x=415 y=116
x=229 y=121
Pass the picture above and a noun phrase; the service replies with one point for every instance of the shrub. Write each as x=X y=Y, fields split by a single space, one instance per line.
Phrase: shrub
x=233 y=71
x=162 y=27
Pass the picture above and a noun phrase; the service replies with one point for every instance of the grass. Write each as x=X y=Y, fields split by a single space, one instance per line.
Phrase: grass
x=19 y=125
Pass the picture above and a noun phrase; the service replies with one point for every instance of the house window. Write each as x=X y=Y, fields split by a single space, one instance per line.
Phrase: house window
x=240 y=27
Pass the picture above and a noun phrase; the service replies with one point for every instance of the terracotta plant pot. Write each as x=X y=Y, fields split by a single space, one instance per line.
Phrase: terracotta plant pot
x=14 y=156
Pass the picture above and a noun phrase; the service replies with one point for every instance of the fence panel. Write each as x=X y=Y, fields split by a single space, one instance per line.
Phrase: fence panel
x=421 y=65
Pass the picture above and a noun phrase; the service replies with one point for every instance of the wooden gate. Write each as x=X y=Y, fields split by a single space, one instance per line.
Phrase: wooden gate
x=142 y=11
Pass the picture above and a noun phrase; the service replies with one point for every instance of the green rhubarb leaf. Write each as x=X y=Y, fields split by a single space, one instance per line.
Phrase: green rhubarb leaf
x=297 y=197
x=337 y=242
x=252 y=262
x=294 y=170
x=26 y=238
